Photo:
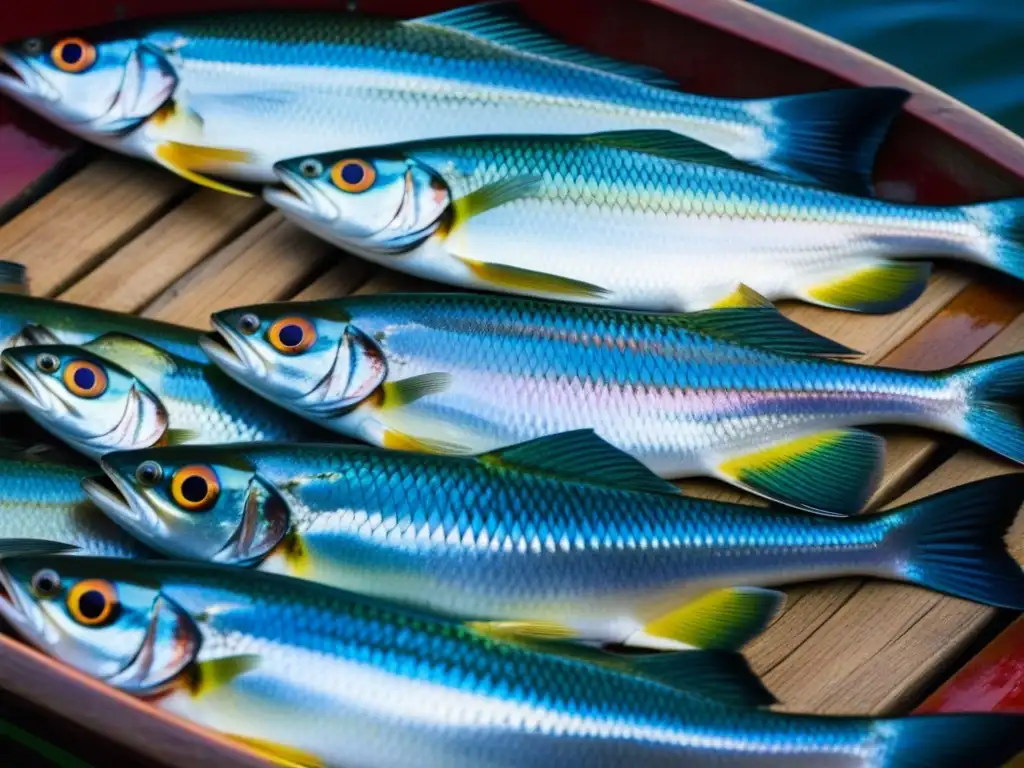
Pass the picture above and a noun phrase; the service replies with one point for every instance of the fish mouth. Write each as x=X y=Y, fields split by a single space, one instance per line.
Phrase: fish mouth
x=230 y=353
x=19 y=384
x=18 y=611
x=20 y=81
x=109 y=493
x=297 y=197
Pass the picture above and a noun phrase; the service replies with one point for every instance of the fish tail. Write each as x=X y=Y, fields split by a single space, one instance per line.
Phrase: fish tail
x=952 y=542
x=1003 y=225
x=830 y=138
x=980 y=740
x=992 y=391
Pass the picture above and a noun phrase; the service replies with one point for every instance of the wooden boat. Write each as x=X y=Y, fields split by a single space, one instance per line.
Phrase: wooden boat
x=126 y=236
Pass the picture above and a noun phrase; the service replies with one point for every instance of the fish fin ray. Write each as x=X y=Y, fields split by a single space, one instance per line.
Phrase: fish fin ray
x=13 y=278
x=723 y=620
x=174 y=437
x=503 y=23
x=212 y=674
x=994 y=418
x=520 y=630
x=408 y=391
x=832 y=472
x=182 y=158
x=723 y=676
x=14 y=547
x=951 y=740
x=874 y=287
x=763 y=327
x=1003 y=222
x=674 y=146
x=581 y=455
x=493 y=195
x=743 y=296
x=280 y=755
x=504 y=277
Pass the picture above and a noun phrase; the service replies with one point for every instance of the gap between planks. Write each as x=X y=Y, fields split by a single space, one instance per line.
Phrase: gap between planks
x=118 y=224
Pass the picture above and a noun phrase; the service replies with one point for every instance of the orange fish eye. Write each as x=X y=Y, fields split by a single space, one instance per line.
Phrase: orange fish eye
x=93 y=602
x=195 y=488
x=73 y=55
x=85 y=379
x=292 y=335
x=353 y=175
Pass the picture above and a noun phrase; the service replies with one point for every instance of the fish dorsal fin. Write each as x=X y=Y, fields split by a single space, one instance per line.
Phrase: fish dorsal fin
x=37 y=335
x=132 y=354
x=503 y=23
x=13 y=278
x=722 y=676
x=581 y=455
x=34 y=547
x=763 y=327
x=674 y=146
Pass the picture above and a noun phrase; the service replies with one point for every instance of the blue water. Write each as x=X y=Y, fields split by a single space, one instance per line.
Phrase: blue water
x=971 y=49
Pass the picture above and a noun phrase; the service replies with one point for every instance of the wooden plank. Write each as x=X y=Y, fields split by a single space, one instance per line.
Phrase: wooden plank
x=134 y=276
x=340 y=280
x=874 y=645
x=95 y=212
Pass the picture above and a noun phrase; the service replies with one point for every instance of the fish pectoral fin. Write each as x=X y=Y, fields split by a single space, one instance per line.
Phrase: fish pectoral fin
x=743 y=296
x=397 y=394
x=209 y=675
x=13 y=277
x=182 y=159
x=723 y=620
x=396 y=440
x=174 y=437
x=547 y=631
x=763 y=327
x=280 y=754
x=581 y=455
x=833 y=472
x=875 y=286
x=724 y=676
x=494 y=195
x=506 y=278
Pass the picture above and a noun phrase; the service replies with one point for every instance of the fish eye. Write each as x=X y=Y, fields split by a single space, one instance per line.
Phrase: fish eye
x=148 y=473
x=33 y=46
x=311 y=168
x=85 y=379
x=48 y=363
x=353 y=175
x=248 y=324
x=292 y=335
x=45 y=583
x=195 y=488
x=93 y=602
x=73 y=55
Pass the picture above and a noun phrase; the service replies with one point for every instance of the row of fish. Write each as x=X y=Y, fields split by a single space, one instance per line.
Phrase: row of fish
x=473 y=148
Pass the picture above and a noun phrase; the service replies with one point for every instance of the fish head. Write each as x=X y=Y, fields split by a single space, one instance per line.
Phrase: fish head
x=93 y=87
x=100 y=616
x=198 y=503
x=86 y=400
x=380 y=203
x=308 y=357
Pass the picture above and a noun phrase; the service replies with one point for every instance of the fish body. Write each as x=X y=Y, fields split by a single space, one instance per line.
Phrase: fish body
x=118 y=392
x=565 y=535
x=43 y=500
x=736 y=394
x=249 y=90
x=328 y=678
x=642 y=220
x=34 y=320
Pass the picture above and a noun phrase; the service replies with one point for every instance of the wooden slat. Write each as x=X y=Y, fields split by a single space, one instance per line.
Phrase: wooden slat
x=93 y=213
x=135 y=275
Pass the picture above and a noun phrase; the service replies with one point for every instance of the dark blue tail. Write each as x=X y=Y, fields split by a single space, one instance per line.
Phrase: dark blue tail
x=831 y=138
x=1003 y=222
x=951 y=741
x=994 y=391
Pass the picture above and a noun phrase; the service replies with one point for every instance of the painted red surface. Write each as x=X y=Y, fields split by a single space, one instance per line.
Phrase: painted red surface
x=29 y=151
x=991 y=681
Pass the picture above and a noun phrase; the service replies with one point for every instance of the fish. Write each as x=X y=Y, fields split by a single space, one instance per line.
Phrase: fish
x=26 y=319
x=42 y=501
x=563 y=537
x=315 y=676
x=741 y=394
x=228 y=95
x=646 y=220
x=119 y=392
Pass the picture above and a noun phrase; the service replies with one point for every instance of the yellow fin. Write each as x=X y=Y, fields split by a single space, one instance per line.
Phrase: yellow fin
x=281 y=754
x=743 y=296
x=875 y=287
x=494 y=195
x=505 y=277
x=183 y=158
x=399 y=441
x=833 y=472
x=408 y=391
x=210 y=675
x=292 y=550
x=724 y=620
x=537 y=630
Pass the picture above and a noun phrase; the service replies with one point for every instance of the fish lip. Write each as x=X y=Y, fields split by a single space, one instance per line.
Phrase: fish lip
x=299 y=198
x=18 y=384
x=116 y=502
x=22 y=81
x=229 y=353
x=15 y=612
